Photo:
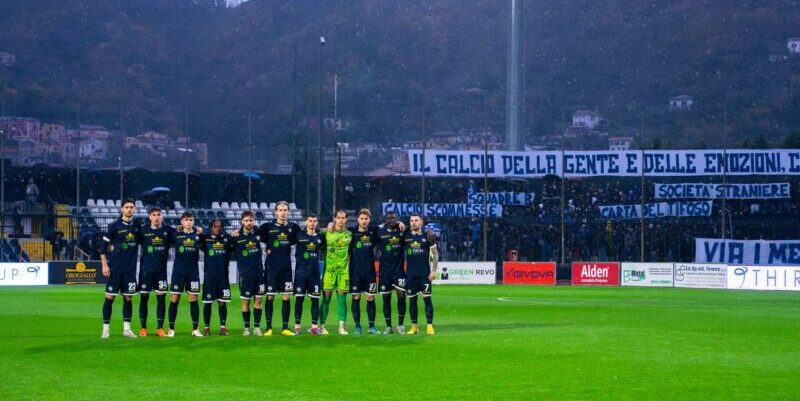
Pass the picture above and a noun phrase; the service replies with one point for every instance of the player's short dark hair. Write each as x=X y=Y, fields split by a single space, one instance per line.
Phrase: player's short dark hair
x=364 y=211
x=187 y=215
x=310 y=215
x=415 y=214
x=153 y=209
x=281 y=203
x=127 y=201
x=248 y=213
x=221 y=224
x=341 y=211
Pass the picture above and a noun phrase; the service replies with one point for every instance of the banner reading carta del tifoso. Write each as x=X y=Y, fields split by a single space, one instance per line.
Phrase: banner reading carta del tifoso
x=655 y=163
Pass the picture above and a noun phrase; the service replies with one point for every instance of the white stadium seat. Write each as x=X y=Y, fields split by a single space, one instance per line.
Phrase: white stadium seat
x=272 y=206
x=139 y=204
x=118 y=203
x=90 y=202
x=263 y=206
x=101 y=203
x=215 y=205
x=292 y=206
x=225 y=205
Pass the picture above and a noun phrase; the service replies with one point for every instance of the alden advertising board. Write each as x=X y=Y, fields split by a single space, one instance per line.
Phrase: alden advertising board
x=595 y=273
x=541 y=273
x=646 y=275
x=466 y=273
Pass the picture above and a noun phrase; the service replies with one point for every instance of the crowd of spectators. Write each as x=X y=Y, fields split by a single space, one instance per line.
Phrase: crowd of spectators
x=531 y=232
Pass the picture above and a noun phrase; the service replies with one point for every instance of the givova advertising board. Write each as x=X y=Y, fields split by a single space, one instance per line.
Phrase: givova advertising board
x=701 y=275
x=23 y=274
x=765 y=278
x=646 y=275
x=466 y=273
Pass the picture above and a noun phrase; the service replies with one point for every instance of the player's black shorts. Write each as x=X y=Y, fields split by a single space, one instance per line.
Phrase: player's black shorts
x=216 y=288
x=121 y=282
x=363 y=280
x=153 y=281
x=183 y=281
x=279 y=280
x=392 y=277
x=417 y=284
x=307 y=281
x=251 y=285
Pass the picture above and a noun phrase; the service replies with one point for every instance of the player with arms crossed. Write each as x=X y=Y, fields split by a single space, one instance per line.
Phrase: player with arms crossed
x=217 y=247
x=120 y=240
x=154 y=239
x=306 y=273
x=336 y=276
x=185 y=272
x=422 y=260
x=247 y=250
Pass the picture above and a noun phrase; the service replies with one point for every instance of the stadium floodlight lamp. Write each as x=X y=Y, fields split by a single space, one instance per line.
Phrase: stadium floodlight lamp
x=322 y=40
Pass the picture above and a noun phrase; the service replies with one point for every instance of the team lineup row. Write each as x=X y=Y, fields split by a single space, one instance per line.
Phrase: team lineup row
x=349 y=257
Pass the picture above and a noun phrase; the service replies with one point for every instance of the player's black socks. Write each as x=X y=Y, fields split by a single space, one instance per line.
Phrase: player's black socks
x=298 y=309
x=355 y=307
x=194 y=310
x=413 y=309
x=285 y=313
x=161 y=309
x=371 y=312
x=127 y=309
x=107 y=310
x=387 y=309
x=314 y=310
x=428 y=309
x=257 y=317
x=401 y=310
x=246 y=318
x=173 y=313
x=223 y=313
x=269 y=312
x=207 y=314
x=144 y=298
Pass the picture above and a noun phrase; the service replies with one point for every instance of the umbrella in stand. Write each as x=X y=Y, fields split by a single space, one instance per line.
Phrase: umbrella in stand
x=252 y=175
x=160 y=189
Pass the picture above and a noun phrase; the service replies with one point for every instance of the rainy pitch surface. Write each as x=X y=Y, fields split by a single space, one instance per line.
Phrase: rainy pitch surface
x=492 y=342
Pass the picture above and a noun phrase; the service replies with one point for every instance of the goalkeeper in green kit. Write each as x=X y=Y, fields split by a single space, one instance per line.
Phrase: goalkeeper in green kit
x=336 y=276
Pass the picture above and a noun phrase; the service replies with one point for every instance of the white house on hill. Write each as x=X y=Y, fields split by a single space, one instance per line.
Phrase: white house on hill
x=793 y=44
x=682 y=102
x=620 y=142
x=586 y=119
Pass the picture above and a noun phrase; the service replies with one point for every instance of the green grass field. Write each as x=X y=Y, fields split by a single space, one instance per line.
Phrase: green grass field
x=493 y=342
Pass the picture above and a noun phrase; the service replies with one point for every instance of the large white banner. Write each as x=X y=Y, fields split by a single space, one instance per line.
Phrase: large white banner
x=782 y=278
x=661 y=209
x=655 y=163
x=24 y=274
x=466 y=273
x=701 y=275
x=747 y=252
x=443 y=209
x=647 y=274
x=778 y=190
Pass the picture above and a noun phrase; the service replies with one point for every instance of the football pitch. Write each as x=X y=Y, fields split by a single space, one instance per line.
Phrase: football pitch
x=492 y=342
